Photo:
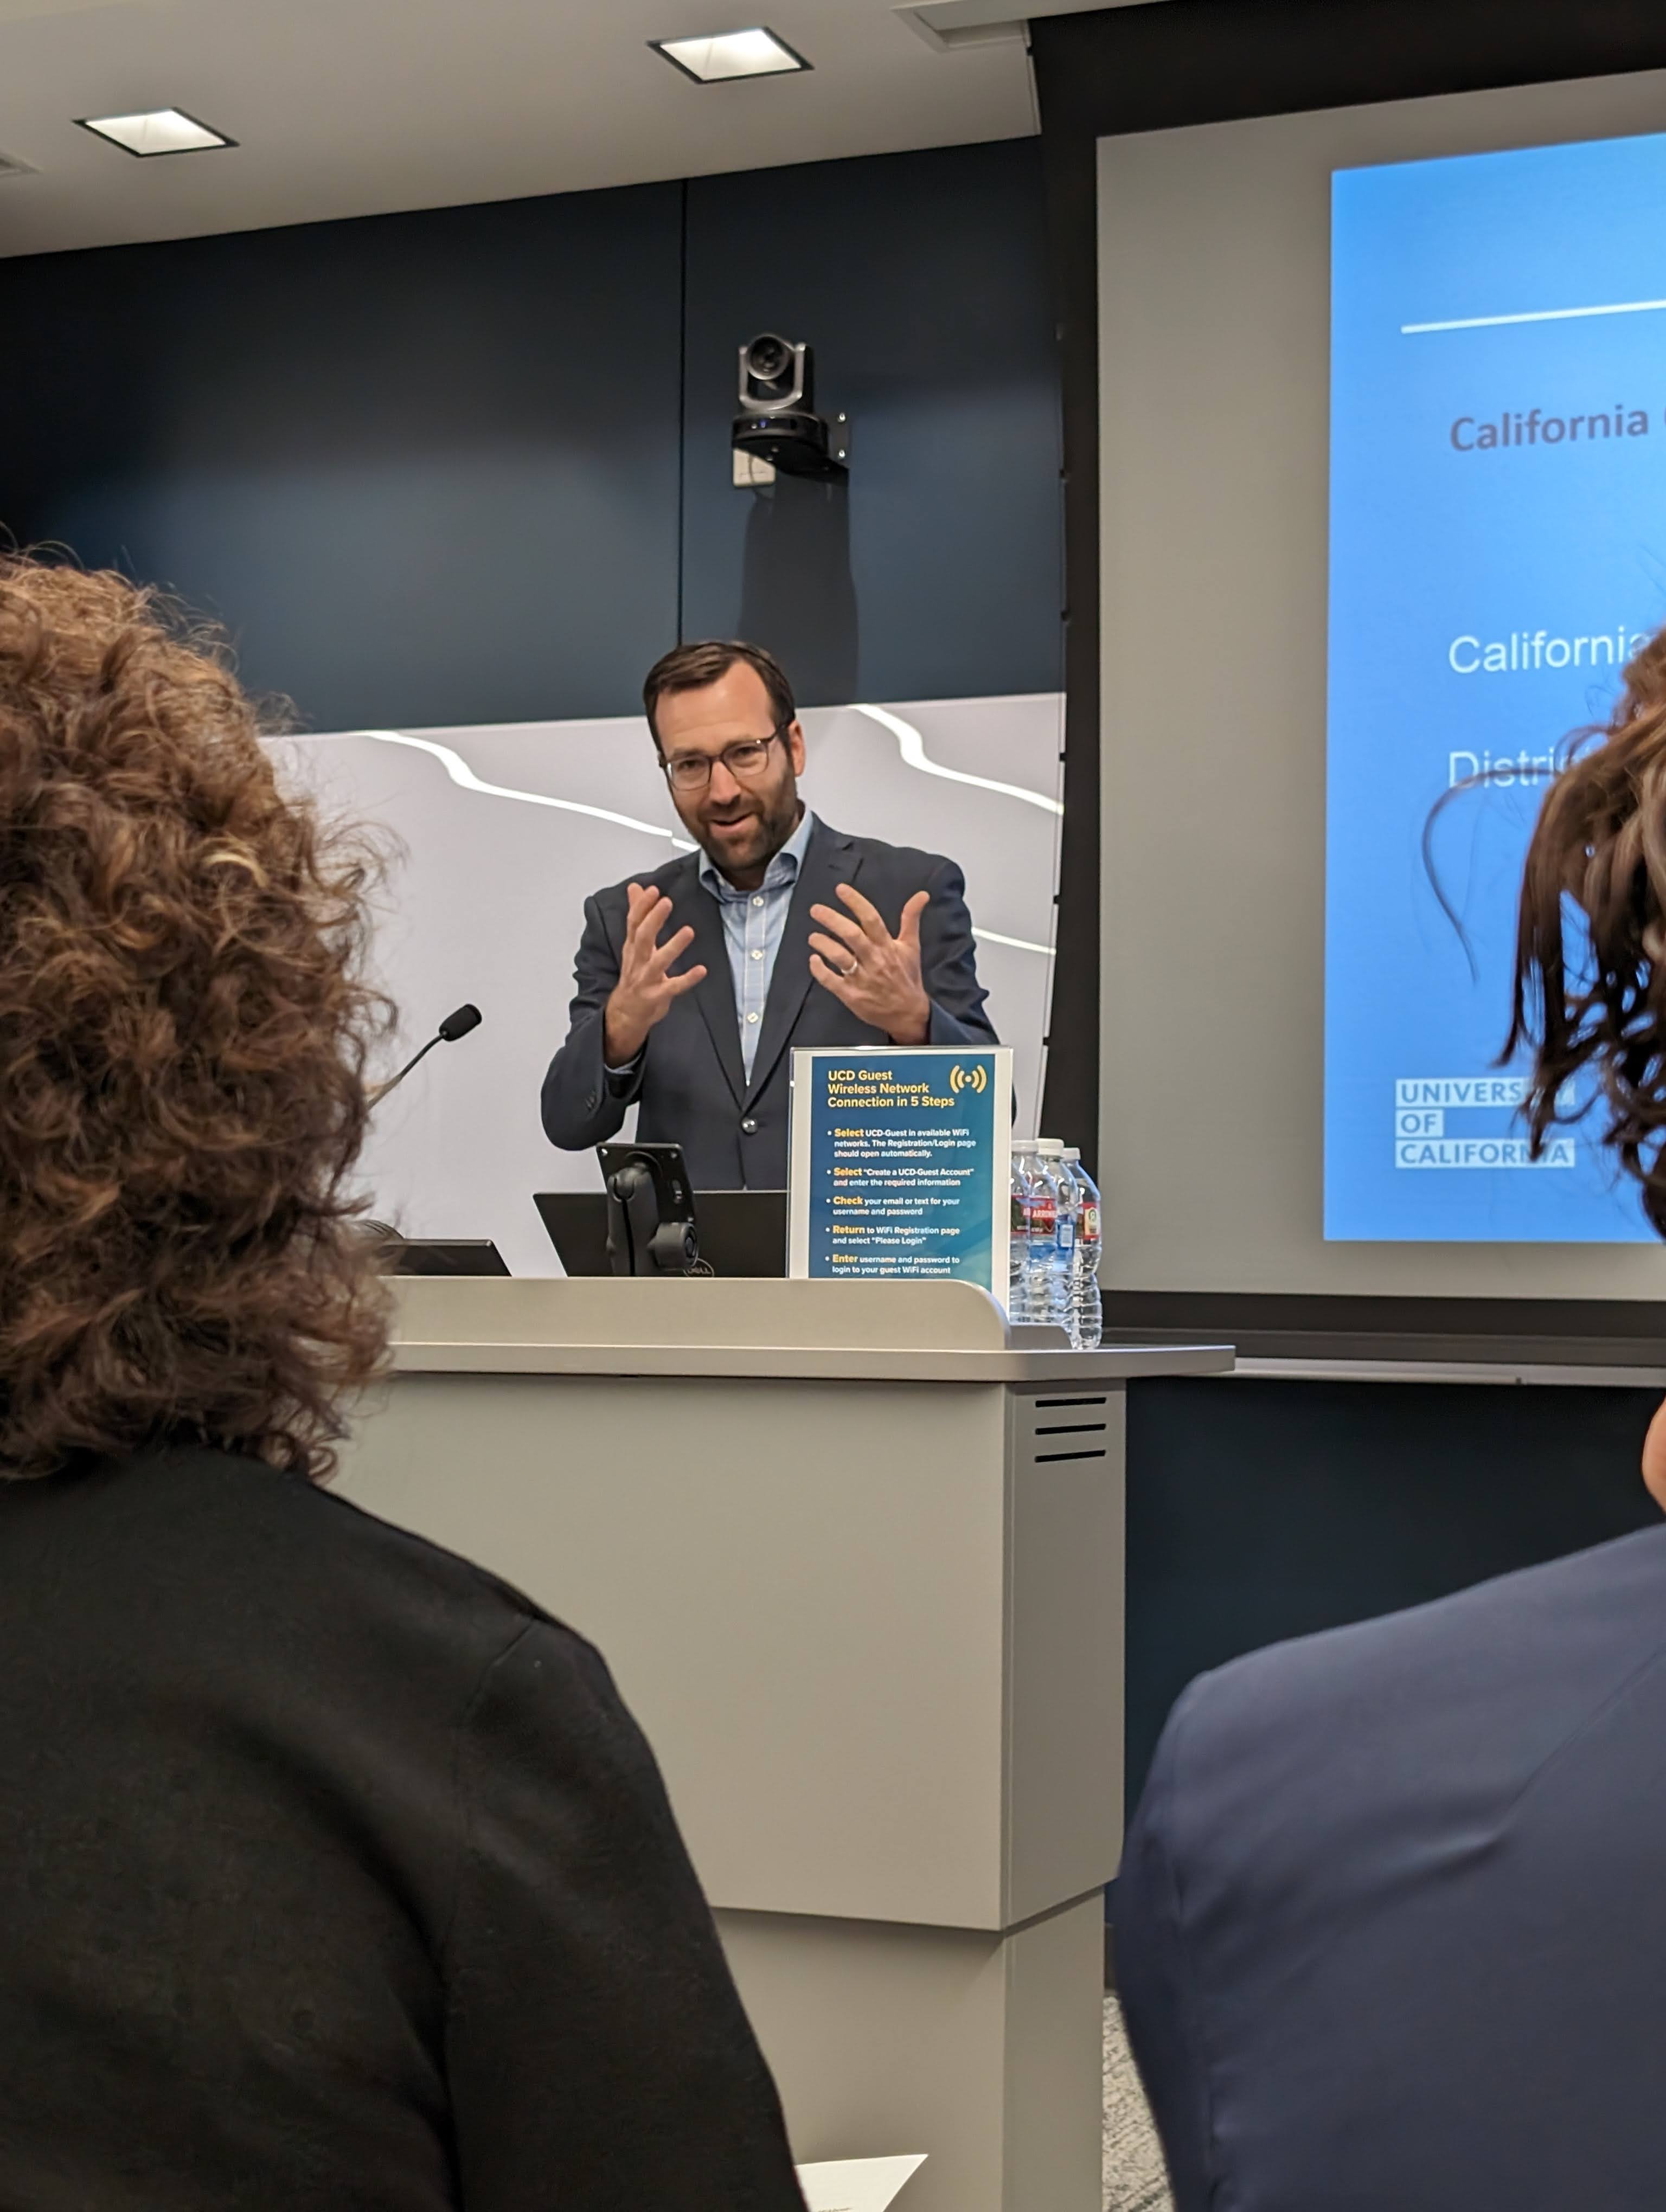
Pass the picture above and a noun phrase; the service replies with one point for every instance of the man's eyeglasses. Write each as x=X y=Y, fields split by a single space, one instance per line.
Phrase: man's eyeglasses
x=745 y=760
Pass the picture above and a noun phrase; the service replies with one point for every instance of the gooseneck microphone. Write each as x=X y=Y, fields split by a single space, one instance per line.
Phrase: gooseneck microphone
x=457 y=1024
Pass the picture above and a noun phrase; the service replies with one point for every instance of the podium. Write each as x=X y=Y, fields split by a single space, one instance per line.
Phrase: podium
x=854 y=1553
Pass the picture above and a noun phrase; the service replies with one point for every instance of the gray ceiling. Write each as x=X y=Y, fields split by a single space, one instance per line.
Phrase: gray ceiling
x=359 y=106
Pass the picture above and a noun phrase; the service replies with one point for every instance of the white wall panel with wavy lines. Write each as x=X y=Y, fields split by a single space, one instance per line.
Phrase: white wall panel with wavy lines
x=499 y=832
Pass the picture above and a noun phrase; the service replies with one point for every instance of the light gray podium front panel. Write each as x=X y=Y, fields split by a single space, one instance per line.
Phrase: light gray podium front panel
x=873 y=1630
x=800 y=1588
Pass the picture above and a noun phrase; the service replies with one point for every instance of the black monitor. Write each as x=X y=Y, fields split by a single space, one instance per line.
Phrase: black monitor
x=443 y=1255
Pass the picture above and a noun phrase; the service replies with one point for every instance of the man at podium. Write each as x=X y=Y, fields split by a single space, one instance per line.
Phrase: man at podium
x=694 y=984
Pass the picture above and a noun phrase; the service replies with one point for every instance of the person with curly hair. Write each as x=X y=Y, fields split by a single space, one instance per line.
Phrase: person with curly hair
x=1390 y=1926
x=337 y=1875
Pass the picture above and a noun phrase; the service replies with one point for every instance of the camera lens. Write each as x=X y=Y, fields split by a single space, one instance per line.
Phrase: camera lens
x=768 y=359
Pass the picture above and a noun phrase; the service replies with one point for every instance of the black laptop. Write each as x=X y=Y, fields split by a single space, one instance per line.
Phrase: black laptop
x=742 y=1232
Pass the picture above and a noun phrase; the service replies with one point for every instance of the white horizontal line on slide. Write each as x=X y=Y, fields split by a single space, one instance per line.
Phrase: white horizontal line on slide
x=462 y=775
x=1535 y=315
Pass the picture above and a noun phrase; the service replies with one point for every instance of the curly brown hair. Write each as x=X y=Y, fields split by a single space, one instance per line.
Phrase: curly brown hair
x=1590 y=995
x=183 y=1029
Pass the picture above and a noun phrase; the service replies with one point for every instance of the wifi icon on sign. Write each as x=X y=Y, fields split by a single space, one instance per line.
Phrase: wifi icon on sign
x=968 y=1079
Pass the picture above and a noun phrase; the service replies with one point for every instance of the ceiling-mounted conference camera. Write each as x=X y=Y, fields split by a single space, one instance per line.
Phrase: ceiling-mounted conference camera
x=778 y=428
x=772 y=373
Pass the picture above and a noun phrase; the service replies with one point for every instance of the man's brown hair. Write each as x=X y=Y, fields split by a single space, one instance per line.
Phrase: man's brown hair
x=184 y=1026
x=1590 y=944
x=692 y=667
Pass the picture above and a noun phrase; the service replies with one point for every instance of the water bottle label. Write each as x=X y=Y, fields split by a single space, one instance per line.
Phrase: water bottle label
x=1066 y=1233
x=1041 y=1216
x=1090 y=1224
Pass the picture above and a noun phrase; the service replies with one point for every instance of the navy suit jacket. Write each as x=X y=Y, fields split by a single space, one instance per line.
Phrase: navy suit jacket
x=690 y=1081
x=1391 y=1925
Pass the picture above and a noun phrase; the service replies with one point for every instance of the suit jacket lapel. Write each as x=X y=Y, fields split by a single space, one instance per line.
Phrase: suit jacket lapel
x=829 y=860
x=693 y=906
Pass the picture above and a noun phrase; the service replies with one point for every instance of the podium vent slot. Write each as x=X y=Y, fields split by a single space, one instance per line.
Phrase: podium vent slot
x=1058 y=1405
x=1045 y=1459
x=1073 y=1429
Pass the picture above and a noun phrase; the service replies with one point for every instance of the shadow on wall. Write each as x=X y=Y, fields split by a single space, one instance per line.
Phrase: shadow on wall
x=796 y=587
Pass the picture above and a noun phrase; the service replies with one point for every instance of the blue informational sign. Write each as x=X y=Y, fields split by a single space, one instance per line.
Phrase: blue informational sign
x=1498 y=550
x=901 y=1159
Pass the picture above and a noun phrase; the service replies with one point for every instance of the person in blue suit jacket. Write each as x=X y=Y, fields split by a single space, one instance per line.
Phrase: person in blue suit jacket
x=1391 y=1922
x=794 y=933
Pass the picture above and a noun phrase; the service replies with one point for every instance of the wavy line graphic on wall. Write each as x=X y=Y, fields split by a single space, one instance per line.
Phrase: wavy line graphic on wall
x=910 y=742
x=1017 y=943
x=461 y=774
x=912 y=746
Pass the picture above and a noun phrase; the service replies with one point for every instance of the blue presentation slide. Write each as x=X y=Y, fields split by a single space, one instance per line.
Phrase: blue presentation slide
x=1498 y=550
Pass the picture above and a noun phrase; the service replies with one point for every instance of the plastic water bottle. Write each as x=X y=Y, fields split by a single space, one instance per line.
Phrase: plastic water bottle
x=1055 y=1256
x=1087 y=1315
x=1017 y=1271
x=1034 y=1215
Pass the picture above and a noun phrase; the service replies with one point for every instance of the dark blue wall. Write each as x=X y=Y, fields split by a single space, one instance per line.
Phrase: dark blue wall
x=425 y=466
x=1261 y=1510
x=440 y=467
x=923 y=282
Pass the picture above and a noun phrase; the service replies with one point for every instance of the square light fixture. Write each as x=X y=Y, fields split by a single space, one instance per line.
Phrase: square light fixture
x=756 y=52
x=162 y=130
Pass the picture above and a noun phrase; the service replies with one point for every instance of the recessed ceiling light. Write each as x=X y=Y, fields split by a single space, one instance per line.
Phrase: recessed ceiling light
x=756 y=52
x=163 y=130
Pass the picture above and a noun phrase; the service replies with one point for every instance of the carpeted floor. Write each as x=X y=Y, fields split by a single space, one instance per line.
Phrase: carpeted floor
x=1134 y=2179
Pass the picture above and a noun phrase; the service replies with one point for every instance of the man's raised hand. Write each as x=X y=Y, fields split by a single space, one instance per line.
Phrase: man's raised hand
x=643 y=994
x=866 y=968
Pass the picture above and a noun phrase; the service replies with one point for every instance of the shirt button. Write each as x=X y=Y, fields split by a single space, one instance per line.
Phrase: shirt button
x=749 y=1127
x=752 y=1018
x=758 y=953
x=757 y=901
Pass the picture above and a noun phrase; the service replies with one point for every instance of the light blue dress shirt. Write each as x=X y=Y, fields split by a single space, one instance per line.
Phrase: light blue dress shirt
x=753 y=922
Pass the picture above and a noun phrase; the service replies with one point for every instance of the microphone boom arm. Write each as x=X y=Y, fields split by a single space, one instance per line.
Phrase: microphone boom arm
x=455 y=1025
x=394 y=1081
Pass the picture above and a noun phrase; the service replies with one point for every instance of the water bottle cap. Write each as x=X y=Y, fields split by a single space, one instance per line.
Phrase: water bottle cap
x=1025 y=1144
x=1050 y=1148
x=1073 y=1152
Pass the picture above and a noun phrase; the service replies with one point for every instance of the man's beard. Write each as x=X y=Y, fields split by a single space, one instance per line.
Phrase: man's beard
x=771 y=825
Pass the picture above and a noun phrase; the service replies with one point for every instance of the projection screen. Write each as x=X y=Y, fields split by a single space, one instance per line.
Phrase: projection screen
x=1384 y=508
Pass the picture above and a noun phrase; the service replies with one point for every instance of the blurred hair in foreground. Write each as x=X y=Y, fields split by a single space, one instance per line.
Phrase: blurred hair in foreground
x=185 y=1020
x=1589 y=988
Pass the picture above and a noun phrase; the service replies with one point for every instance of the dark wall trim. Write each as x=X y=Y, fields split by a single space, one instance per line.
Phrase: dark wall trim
x=1161 y=67
x=1157 y=68
x=1536 y=1332
x=1071 y=1097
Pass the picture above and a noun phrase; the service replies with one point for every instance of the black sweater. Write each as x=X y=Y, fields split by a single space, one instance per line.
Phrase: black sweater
x=335 y=1875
